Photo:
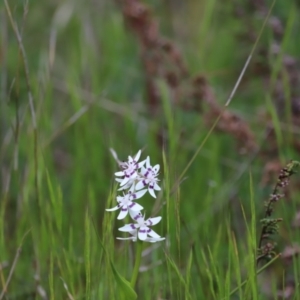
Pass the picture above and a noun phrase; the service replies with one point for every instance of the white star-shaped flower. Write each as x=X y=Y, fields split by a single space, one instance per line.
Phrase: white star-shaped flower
x=142 y=226
x=149 y=178
x=126 y=203
x=130 y=168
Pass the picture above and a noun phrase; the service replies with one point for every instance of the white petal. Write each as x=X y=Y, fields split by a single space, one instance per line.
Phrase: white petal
x=133 y=232
x=123 y=213
x=133 y=238
x=154 y=240
x=156 y=168
x=120 y=199
x=140 y=164
x=123 y=188
x=128 y=227
x=151 y=192
x=129 y=184
x=139 y=194
x=139 y=185
x=138 y=155
x=114 y=208
x=157 y=187
x=148 y=162
x=132 y=189
x=153 y=221
x=153 y=234
x=142 y=233
x=143 y=170
x=120 y=173
x=136 y=207
x=124 y=181
x=135 y=215
x=130 y=160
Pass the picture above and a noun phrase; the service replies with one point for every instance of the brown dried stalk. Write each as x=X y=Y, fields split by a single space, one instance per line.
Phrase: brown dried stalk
x=163 y=60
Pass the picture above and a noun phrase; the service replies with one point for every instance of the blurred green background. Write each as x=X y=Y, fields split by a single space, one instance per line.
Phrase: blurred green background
x=151 y=75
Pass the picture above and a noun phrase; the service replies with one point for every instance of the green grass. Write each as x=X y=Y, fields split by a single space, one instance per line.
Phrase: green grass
x=88 y=88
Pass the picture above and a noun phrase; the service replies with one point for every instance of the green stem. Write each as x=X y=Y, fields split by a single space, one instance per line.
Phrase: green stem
x=137 y=263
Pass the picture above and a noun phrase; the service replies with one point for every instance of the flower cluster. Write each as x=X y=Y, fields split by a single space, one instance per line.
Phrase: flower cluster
x=135 y=180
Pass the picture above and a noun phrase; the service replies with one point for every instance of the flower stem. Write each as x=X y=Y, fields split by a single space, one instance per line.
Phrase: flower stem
x=137 y=263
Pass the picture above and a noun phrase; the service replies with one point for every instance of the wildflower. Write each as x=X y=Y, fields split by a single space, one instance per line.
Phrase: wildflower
x=126 y=203
x=129 y=168
x=142 y=226
x=135 y=180
x=149 y=178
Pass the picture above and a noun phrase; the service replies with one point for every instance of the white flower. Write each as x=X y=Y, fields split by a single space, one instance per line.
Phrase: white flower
x=126 y=203
x=142 y=226
x=149 y=179
x=135 y=180
x=130 y=168
x=134 y=237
